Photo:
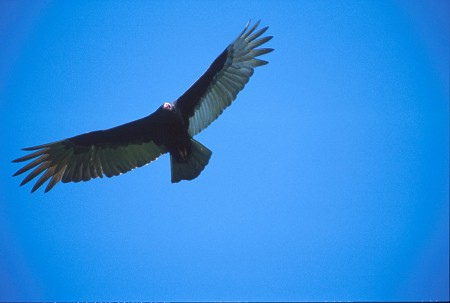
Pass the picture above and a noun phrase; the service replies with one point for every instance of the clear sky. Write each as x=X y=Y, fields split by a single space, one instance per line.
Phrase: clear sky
x=329 y=174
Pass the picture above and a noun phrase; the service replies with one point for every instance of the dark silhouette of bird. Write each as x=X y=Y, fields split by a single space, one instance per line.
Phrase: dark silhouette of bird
x=170 y=128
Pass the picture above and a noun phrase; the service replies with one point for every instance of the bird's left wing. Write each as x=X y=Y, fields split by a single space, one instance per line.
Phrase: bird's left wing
x=214 y=91
x=108 y=152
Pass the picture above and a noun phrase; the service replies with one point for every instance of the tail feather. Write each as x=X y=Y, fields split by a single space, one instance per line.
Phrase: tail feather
x=190 y=169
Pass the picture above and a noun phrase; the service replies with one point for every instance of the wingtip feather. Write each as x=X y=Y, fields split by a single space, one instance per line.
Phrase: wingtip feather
x=257 y=34
x=256 y=43
x=34 y=147
x=246 y=33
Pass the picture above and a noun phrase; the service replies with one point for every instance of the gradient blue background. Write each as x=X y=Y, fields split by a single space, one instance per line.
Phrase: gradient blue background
x=329 y=175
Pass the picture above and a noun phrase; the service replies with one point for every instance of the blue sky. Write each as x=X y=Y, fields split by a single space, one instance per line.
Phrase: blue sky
x=329 y=174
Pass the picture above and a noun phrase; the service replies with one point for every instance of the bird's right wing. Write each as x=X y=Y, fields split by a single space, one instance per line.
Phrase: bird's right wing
x=108 y=152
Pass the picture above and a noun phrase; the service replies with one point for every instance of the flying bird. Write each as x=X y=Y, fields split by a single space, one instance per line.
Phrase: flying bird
x=170 y=129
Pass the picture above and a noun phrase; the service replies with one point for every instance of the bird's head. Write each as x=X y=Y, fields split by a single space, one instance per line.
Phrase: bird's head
x=167 y=106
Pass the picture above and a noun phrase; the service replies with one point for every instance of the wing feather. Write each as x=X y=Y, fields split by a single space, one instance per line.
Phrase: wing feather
x=206 y=99
x=259 y=42
x=31 y=165
x=47 y=175
x=104 y=162
x=55 y=179
x=245 y=33
x=30 y=156
x=36 y=172
x=257 y=34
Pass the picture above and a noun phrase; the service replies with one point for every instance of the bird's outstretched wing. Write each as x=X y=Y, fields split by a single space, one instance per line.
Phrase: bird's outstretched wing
x=205 y=100
x=108 y=152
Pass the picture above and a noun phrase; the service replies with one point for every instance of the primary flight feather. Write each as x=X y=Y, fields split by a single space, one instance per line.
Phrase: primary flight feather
x=169 y=129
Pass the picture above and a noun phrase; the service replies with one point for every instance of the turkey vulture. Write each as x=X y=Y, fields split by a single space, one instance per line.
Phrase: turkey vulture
x=170 y=128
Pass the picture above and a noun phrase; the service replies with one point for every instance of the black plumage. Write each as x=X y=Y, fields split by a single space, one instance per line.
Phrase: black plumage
x=169 y=129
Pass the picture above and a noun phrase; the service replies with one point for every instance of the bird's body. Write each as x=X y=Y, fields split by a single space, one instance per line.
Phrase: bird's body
x=170 y=128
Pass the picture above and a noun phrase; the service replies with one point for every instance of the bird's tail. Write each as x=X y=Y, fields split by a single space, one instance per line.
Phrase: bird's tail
x=191 y=168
